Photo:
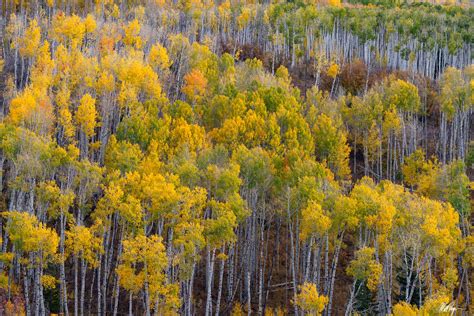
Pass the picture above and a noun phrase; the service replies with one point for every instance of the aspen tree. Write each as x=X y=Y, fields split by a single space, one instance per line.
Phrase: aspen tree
x=310 y=301
x=176 y=157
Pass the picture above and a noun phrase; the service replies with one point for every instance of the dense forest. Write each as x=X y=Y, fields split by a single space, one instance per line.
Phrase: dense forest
x=232 y=157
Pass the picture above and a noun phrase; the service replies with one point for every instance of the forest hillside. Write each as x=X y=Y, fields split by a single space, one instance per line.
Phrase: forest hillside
x=231 y=157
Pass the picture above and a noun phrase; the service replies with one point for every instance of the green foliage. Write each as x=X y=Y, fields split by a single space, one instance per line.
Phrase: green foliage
x=148 y=151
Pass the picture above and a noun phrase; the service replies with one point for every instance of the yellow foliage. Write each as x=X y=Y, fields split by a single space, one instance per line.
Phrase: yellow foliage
x=237 y=310
x=32 y=109
x=64 y=114
x=382 y=223
x=414 y=167
x=159 y=57
x=454 y=90
x=42 y=70
x=244 y=18
x=224 y=9
x=365 y=268
x=437 y=305
x=48 y=281
x=183 y=168
x=331 y=146
x=220 y=229
x=106 y=82
x=333 y=70
x=403 y=96
x=404 y=309
x=81 y=241
x=75 y=68
x=450 y=279
x=90 y=24
x=3 y=281
x=86 y=115
x=314 y=221
x=21 y=106
x=309 y=300
x=391 y=121
x=132 y=34
x=29 y=235
x=50 y=194
x=335 y=3
x=146 y=250
x=284 y=77
x=131 y=211
x=30 y=42
x=275 y=312
x=345 y=212
x=149 y=252
x=16 y=309
x=68 y=29
x=137 y=78
x=187 y=137
x=190 y=237
x=440 y=227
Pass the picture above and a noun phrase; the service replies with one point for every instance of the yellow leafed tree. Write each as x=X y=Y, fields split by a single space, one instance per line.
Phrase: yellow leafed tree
x=310 y=301
x=86 y=115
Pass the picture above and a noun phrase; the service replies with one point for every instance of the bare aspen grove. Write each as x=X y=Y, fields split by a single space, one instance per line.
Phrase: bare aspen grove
x=236 y=157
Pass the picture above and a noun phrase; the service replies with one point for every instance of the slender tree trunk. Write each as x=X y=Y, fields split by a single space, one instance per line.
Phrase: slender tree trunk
x=26 y=284
x=63 y=289
x=333 y=272
x=292 y=252
x=221 y=279
x=83 y=284
x=210 y=276
x=76 y=287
